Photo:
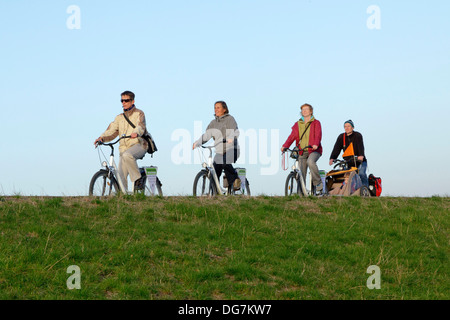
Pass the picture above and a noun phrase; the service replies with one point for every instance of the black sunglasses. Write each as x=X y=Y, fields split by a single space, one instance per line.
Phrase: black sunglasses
x=125 y=100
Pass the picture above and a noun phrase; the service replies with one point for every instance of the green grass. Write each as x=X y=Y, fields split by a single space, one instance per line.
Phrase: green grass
x=225 y=248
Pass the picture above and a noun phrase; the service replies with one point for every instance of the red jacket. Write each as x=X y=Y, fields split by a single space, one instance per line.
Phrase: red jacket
x=315 y=137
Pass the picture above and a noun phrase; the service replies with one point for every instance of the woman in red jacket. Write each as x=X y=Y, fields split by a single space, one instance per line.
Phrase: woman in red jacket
x=307 y=132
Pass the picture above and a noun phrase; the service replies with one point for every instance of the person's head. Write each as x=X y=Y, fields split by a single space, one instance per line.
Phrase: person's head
x=306 y=110
x=127 y=99
x=220 y=108
x=349 y=126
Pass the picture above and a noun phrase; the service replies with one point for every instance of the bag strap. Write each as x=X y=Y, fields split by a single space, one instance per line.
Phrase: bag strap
x=128 y=120
x=131 y=123
x=299 y=141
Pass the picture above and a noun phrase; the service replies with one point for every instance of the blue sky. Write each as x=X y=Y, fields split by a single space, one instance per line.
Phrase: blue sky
x=61 y=87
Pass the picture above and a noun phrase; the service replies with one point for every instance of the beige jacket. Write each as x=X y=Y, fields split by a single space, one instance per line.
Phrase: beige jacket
x=120 y=127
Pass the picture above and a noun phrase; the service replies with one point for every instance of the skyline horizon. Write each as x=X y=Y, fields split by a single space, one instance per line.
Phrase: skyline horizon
x=383 y=64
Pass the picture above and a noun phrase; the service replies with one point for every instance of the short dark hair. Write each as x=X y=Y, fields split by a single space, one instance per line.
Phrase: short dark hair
x=224 y=105
x=128 y=93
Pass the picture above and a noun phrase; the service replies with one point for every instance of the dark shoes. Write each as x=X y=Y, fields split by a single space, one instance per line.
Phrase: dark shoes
x=139 y=184
x=319 y=187
x=319 y=190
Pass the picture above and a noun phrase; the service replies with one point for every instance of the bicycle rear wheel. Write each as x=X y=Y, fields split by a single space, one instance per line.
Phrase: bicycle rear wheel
x=103 y=184
x=364 y=191
x=247 y=188
x=243 y=191
x=148 y=191
x=204 y=185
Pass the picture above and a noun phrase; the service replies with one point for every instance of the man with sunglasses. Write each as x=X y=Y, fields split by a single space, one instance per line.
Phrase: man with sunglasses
x=131 y=149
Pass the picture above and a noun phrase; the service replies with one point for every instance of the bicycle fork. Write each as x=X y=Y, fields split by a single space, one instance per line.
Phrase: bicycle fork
x=216 y=180
x=299 y=173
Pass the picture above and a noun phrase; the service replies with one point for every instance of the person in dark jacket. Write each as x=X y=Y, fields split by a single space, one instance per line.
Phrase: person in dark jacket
x=307 y=132
x=351 y=142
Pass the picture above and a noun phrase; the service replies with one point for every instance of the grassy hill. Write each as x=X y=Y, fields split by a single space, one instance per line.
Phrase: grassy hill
x=224 y=248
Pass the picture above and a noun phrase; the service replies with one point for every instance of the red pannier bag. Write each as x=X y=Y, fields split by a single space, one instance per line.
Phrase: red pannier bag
x=375 y=185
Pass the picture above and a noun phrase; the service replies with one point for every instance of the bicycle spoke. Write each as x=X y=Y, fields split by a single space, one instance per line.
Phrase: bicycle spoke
x=102 y=185
x=203 y=185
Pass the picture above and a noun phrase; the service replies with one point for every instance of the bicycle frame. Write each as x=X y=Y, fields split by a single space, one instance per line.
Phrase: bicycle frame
x=210 y=167
x=112 y=167
x=298 y=173
x=345 y=165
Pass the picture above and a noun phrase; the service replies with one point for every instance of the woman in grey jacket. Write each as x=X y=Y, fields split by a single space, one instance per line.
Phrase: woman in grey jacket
x=224 y=130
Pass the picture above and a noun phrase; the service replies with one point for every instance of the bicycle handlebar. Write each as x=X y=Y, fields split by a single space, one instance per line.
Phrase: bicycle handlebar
x=304 y=149
x=210 y=148
x=339 y=162
x=110 y=144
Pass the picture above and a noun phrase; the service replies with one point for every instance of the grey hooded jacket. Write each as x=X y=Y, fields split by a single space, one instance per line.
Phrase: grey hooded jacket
x=220 y=129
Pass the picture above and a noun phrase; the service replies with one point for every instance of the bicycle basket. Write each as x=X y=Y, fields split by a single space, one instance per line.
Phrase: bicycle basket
x=295 y=153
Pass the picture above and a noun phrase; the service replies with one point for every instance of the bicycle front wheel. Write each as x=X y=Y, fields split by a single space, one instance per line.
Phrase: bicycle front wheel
x=103 y=184
x=204 y=185
x=292 y=186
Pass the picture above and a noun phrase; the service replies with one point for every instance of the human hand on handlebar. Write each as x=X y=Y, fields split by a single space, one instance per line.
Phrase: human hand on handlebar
x=99 y=139
x=134 y=135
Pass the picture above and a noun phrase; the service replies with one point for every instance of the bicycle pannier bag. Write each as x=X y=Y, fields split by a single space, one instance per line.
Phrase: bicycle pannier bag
x=375 y=187
x=151 y=143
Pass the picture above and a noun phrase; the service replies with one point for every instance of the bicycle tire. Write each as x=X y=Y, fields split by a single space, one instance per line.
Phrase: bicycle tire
x=242 y=192
x=291 y=187
x=103 y=184
x=247 y=187
x=159 y=187
x=148 y=192
x=303 y=190
x=204 y=185
x=364 y=192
